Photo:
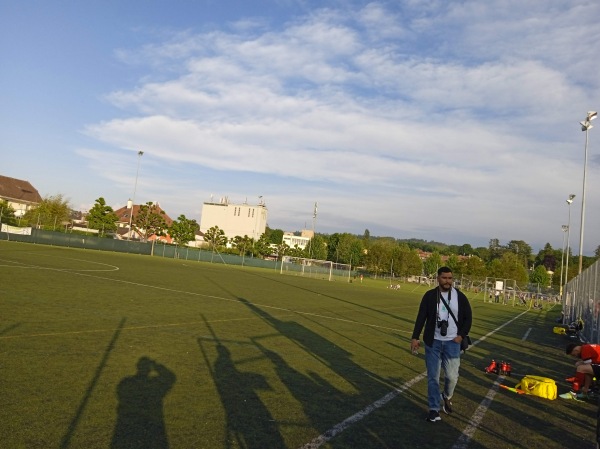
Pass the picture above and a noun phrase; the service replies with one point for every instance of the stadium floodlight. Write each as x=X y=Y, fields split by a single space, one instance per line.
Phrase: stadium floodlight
x=586 y=125
x=132 y=201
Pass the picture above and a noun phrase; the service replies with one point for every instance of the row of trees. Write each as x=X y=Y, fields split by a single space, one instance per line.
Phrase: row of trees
x=55 y=213
x=377 y=255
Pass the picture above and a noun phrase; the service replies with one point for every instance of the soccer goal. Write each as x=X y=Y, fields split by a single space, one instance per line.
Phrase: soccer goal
x=500 y=291
x=320 y=269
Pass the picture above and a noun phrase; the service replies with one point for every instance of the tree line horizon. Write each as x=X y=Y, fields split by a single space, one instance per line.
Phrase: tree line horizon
x=380 y=256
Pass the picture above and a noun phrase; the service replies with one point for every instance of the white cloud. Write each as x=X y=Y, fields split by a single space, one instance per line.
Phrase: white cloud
x=449 y=122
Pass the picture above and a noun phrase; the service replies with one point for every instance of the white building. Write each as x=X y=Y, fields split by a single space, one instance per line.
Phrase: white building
x=292 y=240
x=235 y=219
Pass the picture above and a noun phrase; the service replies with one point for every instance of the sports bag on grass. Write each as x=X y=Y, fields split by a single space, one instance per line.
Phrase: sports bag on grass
x=543 y=387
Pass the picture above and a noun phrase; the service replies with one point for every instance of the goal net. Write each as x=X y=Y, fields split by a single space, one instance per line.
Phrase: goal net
x=321 y=269
x=500 y=290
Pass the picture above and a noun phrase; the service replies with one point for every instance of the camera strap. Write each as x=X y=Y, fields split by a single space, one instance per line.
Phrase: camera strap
x=447 y=305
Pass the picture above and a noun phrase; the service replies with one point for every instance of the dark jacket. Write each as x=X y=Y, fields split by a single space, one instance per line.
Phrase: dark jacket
x=427 y=316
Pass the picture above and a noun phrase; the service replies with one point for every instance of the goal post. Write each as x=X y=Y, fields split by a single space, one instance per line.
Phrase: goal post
x=500 y=290
x=319 y=269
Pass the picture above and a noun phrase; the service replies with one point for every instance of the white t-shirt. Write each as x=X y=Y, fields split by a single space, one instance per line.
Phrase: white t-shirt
x=443 y=314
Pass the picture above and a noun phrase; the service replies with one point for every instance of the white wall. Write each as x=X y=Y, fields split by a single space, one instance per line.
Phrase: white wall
x=235 y=219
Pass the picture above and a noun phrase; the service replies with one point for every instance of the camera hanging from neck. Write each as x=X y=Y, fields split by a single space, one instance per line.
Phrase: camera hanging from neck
x=441 y=298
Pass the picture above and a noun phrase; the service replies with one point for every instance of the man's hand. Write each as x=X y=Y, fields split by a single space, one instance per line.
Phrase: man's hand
x=414 y=346
x=458 y=339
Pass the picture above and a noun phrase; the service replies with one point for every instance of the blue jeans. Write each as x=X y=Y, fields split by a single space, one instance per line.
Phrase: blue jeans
x=446 y=355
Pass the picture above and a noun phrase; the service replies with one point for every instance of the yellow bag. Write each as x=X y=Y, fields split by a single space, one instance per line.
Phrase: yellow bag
x=543 y=387
x=560 y=330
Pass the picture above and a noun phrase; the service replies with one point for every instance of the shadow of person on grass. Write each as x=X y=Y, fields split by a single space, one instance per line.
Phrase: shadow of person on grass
x=249 y=422
x=140 y=420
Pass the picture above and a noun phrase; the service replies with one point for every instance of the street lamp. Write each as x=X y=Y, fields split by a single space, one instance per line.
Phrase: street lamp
x=569 y=202
x=131 y=202
x=565 y=228
x=586 y=125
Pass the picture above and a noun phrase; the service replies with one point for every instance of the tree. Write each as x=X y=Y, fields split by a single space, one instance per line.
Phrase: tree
x=53 y=211
x=344 y=248
x=406 y=261
x=452 y=262
x=275 y=236
x=7 y=213
x=508 y=267
x=242 y=244
x=296 y=251
x=495 y=249
x=215 y=237
x=431 y=265
x=150 y=221
x=262 y=246
x=102 y=217
x=183 y=230
x=355 y=253
x=366 y=239
x=540 y=276
x=482 y=252
x=378 y=259
x=466 y=250
x=549 y=257
x=316 y=248
x=472 y=267
x=522 y=250
x=282 y=249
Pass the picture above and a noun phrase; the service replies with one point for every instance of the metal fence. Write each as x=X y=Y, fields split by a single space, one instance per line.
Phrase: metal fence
x=581 y=301
x=75 y=240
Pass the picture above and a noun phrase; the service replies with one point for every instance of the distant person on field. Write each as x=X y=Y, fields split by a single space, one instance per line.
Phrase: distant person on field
x=442 y=338
x=587 y=367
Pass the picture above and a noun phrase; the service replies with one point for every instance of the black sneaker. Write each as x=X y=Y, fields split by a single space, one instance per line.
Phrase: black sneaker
x=446 y=405
x=433 y=416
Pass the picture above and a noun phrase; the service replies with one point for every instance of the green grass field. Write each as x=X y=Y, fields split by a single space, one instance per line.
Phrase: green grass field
x=102 y=350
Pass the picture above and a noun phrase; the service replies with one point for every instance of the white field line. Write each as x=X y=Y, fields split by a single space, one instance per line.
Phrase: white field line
x=339 y=428
x=16 y=264
x=467 y=434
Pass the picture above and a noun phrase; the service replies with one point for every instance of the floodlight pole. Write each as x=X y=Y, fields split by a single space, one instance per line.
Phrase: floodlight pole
x=312 y=242
x=569 y=202
x=562 y=259
x=585 y=126
x=140 y=154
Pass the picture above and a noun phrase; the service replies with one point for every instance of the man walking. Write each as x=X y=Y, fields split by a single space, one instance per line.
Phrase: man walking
x=445 y=313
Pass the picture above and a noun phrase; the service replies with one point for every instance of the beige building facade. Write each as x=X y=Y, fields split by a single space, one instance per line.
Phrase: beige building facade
x=235 y=219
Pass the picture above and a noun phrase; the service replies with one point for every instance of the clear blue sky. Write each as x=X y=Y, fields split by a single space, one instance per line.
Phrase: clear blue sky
x=454 y=121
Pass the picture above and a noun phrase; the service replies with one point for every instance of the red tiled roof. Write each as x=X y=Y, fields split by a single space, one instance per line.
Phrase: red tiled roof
x=18 y=190
x=123 y=214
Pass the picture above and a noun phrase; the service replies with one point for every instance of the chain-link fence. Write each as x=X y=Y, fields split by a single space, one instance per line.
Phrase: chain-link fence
x=581 y=301
x=75 y=240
